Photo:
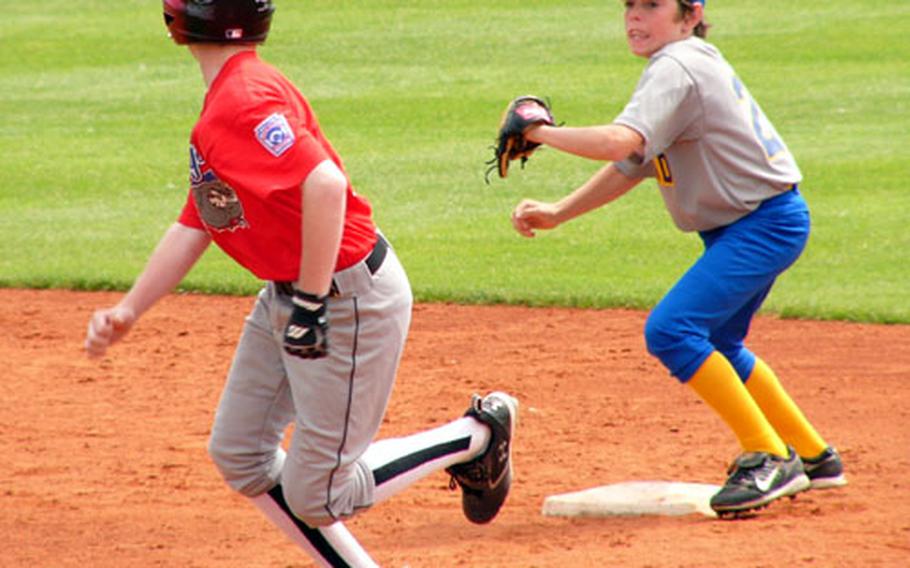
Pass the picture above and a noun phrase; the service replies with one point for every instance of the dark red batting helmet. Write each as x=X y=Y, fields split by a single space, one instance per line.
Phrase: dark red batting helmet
x=218 y=21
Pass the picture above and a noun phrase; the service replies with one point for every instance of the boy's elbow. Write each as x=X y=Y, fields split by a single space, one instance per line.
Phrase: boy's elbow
x=623 y=142
x=326 y=180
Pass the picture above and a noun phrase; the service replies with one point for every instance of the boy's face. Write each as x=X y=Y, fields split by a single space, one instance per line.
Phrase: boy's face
x=652 y=24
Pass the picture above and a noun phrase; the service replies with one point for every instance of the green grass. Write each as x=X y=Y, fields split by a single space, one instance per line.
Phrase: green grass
x=97 y=104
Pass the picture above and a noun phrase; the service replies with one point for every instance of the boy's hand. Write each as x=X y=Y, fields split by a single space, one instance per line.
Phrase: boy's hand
x=530 y=214
x=107 y=327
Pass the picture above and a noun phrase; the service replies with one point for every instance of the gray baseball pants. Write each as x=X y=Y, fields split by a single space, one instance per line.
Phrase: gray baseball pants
x=336 y=404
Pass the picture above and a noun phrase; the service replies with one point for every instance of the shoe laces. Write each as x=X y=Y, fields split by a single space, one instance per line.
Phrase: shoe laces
x=743 y=470
x=473 y=473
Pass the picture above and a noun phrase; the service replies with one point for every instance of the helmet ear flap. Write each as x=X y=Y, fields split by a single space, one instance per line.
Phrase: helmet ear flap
x=174 y=12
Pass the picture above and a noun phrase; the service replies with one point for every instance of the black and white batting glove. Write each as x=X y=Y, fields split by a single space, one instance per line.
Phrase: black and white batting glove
x=306 y=335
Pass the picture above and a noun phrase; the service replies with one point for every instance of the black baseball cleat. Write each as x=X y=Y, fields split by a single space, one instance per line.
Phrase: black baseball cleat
x=756 y=479
x=825 y=470
x=485 y=480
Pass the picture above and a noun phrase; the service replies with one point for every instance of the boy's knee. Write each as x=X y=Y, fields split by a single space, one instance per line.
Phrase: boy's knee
x=247 y=473
x=320 y=496
x=677 y=346
x=660 y=335
x=308 y=505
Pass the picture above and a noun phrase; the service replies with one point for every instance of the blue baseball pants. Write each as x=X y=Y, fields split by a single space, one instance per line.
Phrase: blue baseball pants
x=711 y=307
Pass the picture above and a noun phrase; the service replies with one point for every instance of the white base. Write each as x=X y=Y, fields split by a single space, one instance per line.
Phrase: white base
x=634 y=498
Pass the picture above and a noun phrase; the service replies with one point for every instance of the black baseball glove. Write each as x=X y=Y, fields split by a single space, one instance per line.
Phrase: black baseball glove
x=511 y=143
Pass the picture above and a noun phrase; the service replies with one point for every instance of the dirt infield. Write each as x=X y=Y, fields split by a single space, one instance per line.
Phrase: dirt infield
x=104 y=462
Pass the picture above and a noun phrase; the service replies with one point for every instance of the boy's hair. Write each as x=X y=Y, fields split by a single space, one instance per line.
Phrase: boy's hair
x=701 y=29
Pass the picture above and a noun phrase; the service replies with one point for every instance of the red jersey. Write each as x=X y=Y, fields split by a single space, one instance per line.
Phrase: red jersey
x=256 y=141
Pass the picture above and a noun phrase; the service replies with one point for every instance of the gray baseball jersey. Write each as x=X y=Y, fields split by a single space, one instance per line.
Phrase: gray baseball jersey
x=713 y=151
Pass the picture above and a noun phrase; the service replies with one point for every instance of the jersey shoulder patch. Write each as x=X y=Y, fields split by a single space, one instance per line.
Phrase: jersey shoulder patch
x=275 y=134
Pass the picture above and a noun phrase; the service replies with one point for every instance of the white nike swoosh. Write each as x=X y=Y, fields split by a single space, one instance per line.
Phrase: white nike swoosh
x=763 y=483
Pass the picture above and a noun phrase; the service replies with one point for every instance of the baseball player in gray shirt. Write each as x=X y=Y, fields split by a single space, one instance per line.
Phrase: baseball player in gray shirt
x=723 y=171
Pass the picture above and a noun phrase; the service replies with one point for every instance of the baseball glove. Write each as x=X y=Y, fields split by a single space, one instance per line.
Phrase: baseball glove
x=511 y=143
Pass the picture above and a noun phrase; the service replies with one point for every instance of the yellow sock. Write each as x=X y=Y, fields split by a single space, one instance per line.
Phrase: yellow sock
x=717 y=383
x=782 y=412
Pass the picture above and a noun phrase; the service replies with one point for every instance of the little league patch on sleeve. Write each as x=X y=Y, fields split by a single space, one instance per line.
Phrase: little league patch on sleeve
x=275 y=134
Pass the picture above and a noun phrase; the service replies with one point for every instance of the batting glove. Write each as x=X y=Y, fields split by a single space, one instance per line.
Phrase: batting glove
x=306 y=335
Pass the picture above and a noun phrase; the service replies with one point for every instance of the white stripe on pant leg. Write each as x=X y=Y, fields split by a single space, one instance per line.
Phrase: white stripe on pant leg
x=384 y=452
x=337 y=535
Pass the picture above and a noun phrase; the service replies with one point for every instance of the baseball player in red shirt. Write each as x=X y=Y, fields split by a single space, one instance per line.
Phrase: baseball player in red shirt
x=322 y=345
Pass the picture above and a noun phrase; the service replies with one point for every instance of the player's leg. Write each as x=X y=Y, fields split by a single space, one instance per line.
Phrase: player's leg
x=765 y=470
x=762 y=383
x=325 y=486
x=332 y=546
x=340 y=400
x=823 y=465
x=475 y=450
x=398 y=463
x=822 y=462
x=333 y=469
x=678 y=332
x=254 y=409
x=739 y=264
x=245 y=444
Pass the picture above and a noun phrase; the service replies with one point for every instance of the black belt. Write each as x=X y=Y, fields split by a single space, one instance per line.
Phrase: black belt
x=373 y=262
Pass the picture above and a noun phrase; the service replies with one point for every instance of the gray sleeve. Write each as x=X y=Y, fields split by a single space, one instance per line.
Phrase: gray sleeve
x=633 y=168
x=665 y=105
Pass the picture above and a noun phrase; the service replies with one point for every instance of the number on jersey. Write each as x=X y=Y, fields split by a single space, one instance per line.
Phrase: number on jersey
x=764 y=131
x=662 y=167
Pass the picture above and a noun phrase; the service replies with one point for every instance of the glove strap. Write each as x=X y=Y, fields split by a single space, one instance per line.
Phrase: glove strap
x=309 y=302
